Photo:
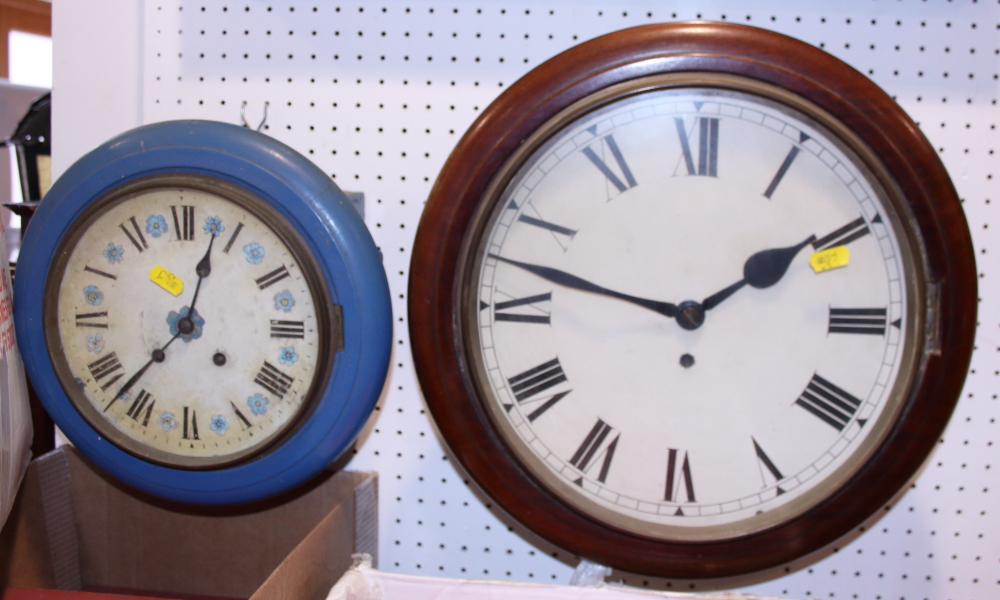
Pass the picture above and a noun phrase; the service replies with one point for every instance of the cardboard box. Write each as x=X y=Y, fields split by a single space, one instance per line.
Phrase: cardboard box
x=74 y=528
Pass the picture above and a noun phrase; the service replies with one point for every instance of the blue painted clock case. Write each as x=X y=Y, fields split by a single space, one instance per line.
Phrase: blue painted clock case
x=332 y=230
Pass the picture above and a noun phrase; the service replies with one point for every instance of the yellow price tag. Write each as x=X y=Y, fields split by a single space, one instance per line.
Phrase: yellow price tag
x=166 y=280
x=831 y=258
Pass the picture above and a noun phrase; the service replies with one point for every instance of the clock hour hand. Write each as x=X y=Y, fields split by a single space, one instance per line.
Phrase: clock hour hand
x=762 y=270
x=572 y=281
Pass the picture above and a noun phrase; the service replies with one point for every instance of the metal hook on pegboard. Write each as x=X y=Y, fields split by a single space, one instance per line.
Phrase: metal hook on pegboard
x=243 y=119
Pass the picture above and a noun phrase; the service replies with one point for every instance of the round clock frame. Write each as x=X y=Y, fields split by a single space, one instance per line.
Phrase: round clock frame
x=306 y=212
x=716 y=55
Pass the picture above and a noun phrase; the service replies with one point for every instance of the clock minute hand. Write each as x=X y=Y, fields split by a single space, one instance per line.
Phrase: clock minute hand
x=572 y=281
x=762 y=270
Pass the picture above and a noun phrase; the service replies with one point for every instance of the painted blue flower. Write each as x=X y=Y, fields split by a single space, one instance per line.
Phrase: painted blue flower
x=167 y=421
x=287 y=355
x=284 y=301
x=218 y=424
x=258 y=404
x=156 y=225
x=214 y=226
x=93 y=295
x=114 y=253
x=173 y=317
x=255 y=252
x=95 y=343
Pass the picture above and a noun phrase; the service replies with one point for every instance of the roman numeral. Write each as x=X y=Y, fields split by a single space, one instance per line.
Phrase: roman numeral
x=522 y=318
x=708 y=146
x=240 y=416
x=591 y=444
x=546 y=225
x=288 y=329
x=273 y=380
x=549 y=403
x=782 y=170
x=184 y=226
x=843 y=236
x=92 y=320
x=768 y=464
x=138 y=234
x=536 y=380
x=190 y=425
x=273 y=277
x=101 y=273
x=603 y=167
x=104 y=366
x=232 y=238
x=135 y=411
x=831 y=404
x=869 y=321
x=674 y=483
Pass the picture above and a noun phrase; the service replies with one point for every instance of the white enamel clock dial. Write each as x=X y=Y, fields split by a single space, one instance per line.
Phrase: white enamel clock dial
x=182 y=387
x=649 y=331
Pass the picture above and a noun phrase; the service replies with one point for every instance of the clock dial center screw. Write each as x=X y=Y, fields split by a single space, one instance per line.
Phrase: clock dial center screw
x=690 y=314
x=687 y=360
x=219 y=359
x=185 y=325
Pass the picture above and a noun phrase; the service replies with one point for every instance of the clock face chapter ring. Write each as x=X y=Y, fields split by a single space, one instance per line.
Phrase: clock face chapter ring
x=678 y=300
x=203 y=313
x=238 y=215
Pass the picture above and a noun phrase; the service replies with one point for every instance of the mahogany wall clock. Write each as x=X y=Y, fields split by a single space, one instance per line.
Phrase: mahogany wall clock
x=692 y=300
x=202 y=312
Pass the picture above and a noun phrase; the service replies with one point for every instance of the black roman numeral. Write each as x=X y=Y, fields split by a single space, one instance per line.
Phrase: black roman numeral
x=232 y=238
x=273 y=380
x=708 y=146
x=104 y=366
x=190 y=425
x=138 y=234
x=184 y=226
x=869 y=321
x=546 y=225
x=240 y=416
x=828 y=402
x=518 y=317
x=136 y=410
x=536 y=380
x=101 y=273
x=591 y=444
x=288 y=329
x=789 y=159
x=273 y=277
x=549 y=403
x=768 y=463
x=96 y=319
x=603 y=167
x=843 y=236
x=673 y=487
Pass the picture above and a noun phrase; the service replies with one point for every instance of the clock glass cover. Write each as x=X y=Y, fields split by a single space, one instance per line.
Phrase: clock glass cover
x=689 y=305
x=185 y=323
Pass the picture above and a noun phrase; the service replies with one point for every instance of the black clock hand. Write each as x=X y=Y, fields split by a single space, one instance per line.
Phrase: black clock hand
x=204 y=269
x=158 y=356
x=572 y=281
x=762 y=270
x=184 y=325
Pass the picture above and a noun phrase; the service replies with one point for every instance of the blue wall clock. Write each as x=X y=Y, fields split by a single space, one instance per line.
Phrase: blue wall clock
x=203 y=313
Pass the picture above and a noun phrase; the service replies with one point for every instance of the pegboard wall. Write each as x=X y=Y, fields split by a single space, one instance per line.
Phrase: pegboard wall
x=378 y=93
